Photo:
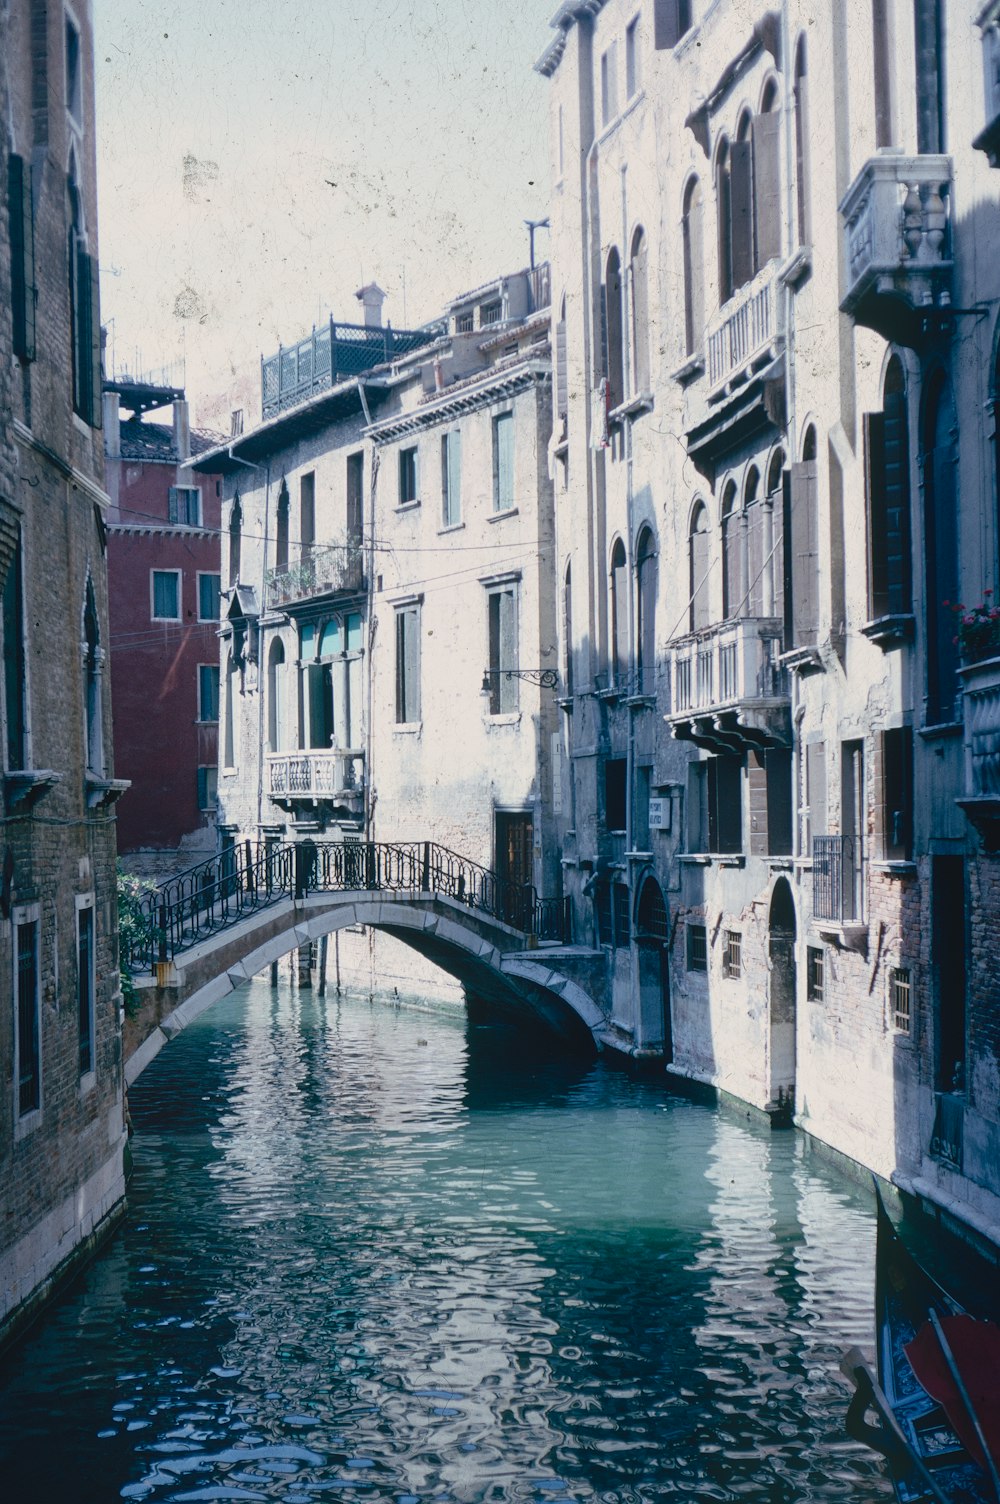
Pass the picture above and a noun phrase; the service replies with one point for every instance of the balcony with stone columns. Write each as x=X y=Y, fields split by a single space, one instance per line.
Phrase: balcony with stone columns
x=729 y=691
x=898 y=254
x=981 y=717
x=335 y=779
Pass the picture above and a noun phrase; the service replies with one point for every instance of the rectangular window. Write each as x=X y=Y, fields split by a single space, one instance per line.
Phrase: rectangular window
x=732 y=954
x=725 y=804
x=184 y=505
x=355 y=499
x=22 y=256
x=602 y=901
x=451 y=478
x=13 y=664
x=464 y=323
x=490 y=313
x=697 y=806
x=408 y=665
x=208 y=785
x=671 y=19
x=769 y=776
x=503 y=651
x=632 y=79
x=814 y=973
x=85 y=330
x=615 y=783
x=609 y=84
x=74 y=92
x=815 y=795
x=503 y=462
x=899 y=999
x=27 y=1043
x=85 y=984
x=697 y=947
x=236 y=423
x=208 y=596
x=894 y=809
x=409 y=476
x=166 y=591
x=208 y=692
x=622 y=913
x=307 y=515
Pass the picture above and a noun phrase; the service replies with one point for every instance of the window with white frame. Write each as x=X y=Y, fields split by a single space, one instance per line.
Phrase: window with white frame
x=451 y=478
x=85 y=983
x=502 y=627
x=409 y=475
x=503 y=462
x=27 y=1020
x=408 y=663
x=208 y=691
x=165 y=594
x=209 y=586
x=184 y=505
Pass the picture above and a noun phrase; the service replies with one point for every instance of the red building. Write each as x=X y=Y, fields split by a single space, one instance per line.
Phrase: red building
x=163 y=579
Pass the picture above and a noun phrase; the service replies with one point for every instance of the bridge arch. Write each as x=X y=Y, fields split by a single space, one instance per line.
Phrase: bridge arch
x=468 y=947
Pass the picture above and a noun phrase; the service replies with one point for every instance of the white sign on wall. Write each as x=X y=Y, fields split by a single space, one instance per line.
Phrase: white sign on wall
x=659 y=814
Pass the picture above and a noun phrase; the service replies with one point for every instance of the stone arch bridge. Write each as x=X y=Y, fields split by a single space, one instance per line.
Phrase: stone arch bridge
x=211 y=928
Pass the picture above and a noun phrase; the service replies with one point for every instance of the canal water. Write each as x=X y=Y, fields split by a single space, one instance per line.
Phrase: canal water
x=375 y=1254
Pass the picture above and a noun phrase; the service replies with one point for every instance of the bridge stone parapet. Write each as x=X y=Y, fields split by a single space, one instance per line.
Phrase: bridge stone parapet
x=566 y=987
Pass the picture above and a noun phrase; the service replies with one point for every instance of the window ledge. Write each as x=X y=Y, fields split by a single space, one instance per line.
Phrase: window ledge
x=453 y=527
x=797 y=268
x=102 y=793
x=502 y=516
x=847 y=935
x=28 y=785
x=694 y=859
x=203 y=720
x=804 y=660
x=407 y=506
x=640 y=702
x=894 y=868
x=780 y=863
x=731 y=859
x=166 y=619
x=639 y=856
x=944 y=732
x=407 y=728
x=566 y=703
x=890 y=631
x=686 y=372
x=633 y=407
x=506 y=718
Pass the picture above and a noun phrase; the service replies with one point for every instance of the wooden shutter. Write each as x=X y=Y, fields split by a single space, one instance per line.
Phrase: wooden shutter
x=95 y=416
x=779 y=801
x=508 y=649
x=757 y=779
x=694 y=273
x=767 y=186
x=503 y=497
x=172 y=504
x=878 y=582
x=400 y=666
x=896 y=484
x=741 y=211
x=802 y=545
x=732 y=594
x=666 y=23
x=816 y=790
x=355 y=499
x=22 y=257
x=562 y=377
x=755 y=559
x=894 y=780
x=412 y=664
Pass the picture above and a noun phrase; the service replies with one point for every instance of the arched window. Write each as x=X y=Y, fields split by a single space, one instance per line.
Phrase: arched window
x=639 y=271
x=752 y=550
x=802 y=184
x=645 y=595
x=724 y=211
x=698 y=566
x=567 y=626
x=940 y=445
x=276 y=696
x=93 y=662
x=281 y=531
x=731 y=551
x=651 y=920
x=692 y=243
x=773 y=521
x=613 y=328
x=742 y=200
x=887 y=456
x=766 y=184
x=235 y=540
x=802 y=549
x=619 y=613
x=809 y=443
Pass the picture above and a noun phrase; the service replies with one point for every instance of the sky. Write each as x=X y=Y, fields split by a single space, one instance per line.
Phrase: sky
x=257 y=162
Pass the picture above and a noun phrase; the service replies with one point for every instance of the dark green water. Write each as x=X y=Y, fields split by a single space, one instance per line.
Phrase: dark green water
x=371 y=1255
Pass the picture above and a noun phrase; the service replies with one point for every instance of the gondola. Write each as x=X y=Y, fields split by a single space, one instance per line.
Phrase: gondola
x=935 y=1394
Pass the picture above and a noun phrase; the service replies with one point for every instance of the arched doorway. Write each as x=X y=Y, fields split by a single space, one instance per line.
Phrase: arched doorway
x=781 y=937
x=652 y=941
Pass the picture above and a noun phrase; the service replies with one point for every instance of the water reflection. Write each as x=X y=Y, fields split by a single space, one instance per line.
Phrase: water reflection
x=373 y=1253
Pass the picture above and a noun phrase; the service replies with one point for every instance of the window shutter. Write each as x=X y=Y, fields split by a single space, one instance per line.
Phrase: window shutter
x=741 y=189
x=22 y=257
x=412 y=666
x=816 y=790
x=562 y=378
x=666 y=23
x=504 y=496
x=172 y=504
x=896 y=482
x=878 y=582
x=778 y=761
x=508 y=649
x=757 y=779
x=725 y=793
x=755 y=558
x=767 y=185
x=896 y=785
x=802 y=543
x=400 y=666
x=95 y=416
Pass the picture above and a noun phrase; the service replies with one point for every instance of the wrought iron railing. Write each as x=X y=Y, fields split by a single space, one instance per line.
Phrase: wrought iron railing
x=245 y=878
x=331 y=353
x=837 y=879
x=323 y=570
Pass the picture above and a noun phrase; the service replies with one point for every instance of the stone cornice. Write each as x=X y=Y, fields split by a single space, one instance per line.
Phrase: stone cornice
x=69 y=472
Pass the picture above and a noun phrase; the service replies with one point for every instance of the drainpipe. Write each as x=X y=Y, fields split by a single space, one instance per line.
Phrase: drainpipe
x=266 y=471
x=370 y=615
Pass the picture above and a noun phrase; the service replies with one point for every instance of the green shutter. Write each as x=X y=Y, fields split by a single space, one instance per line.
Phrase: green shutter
x=503 y=476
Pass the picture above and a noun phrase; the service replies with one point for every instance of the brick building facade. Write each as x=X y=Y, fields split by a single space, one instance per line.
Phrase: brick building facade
x=61 y=1113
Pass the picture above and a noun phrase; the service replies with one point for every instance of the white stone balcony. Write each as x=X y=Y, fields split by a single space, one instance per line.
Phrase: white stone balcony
x=335 y=778
x=898 y=245
x=729 y=691
x=981 y=715
x=748 y=329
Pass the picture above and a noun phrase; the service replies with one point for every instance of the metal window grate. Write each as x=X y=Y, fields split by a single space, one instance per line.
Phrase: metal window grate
x=732 y=955
x=815 y=973
x=697 y=948
x=837 y=879
x=899 y=999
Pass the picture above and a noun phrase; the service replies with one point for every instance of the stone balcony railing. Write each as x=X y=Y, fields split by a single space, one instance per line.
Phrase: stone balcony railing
x=748 y=327
x=981 y=717
x=328 y=569
x=898 y=244
x=334 y=777
x=729 y=691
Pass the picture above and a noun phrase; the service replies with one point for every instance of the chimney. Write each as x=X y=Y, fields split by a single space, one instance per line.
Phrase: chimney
x=371 y=297
x=182 y=429
x=112 y=426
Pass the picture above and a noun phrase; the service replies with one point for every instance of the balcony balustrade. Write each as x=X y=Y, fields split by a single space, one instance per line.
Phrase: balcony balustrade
x=747 y=329
x=981 y=715
x=838 y=889
x=331 y=353
x=730 y=693
x=328 y=570
x=336 y=777
x=898 y=245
